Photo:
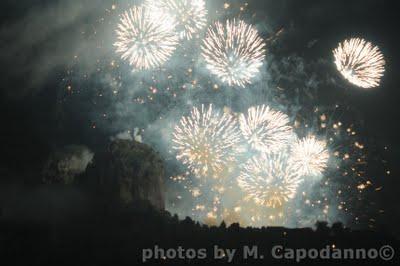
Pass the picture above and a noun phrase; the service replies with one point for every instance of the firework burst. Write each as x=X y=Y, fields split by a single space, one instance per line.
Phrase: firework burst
x=207 y=141
x=269 y=180
x=189 y=14
x=265 y=129
x=146 y=38
x=310 y=156
x=360 y=62
x=234 y=52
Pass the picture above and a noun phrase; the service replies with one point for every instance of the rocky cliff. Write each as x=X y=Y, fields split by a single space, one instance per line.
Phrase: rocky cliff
x=131 y=173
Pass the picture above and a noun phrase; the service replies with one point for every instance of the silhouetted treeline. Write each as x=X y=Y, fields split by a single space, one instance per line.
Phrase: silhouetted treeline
x=118 y=236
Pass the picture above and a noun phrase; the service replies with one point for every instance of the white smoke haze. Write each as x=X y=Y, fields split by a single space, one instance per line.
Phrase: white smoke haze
x=66 y=164
x=126 y=135
x=77 y=36
x=76 y=162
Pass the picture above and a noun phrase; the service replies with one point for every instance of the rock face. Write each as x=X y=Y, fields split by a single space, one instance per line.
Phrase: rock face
x=131 y=173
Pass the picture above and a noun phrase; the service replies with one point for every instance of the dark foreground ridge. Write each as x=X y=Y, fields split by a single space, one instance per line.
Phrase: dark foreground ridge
x=108 y=209
x=133 y=236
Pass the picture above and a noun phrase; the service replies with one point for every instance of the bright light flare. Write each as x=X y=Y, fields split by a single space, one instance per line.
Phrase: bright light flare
x=191 y=15
x=265 y=129
x=207 y=141
x=269 y=180
x=146 y=38
x=310 y=156
x=360 y=62
x=233 y=52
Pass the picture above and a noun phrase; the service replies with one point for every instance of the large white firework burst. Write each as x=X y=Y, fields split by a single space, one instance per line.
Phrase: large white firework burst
x=265 y=129
x=190 y=15
x=146 y=38
x=206 y=141
x=310 y=156
x=360 y=62
x=269 y=180
x=234 y=52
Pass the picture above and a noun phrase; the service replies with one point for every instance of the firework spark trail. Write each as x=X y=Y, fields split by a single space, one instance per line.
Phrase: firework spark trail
x=269 y=180
x=207 y=141
x=234 y=52
x=360 y=62
x=189 y=14
x=343 y=194
x=310 y=156
x=145 y=38
x=265 y=129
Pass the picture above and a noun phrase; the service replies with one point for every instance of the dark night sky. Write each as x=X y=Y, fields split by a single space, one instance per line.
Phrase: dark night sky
x=32 y=68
